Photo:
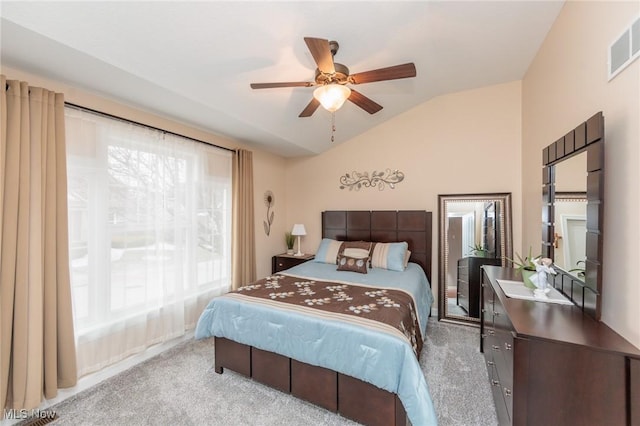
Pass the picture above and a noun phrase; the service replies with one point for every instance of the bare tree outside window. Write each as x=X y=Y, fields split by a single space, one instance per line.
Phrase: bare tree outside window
x=149 y=220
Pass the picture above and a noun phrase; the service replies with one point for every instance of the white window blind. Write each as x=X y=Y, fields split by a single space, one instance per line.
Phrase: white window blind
x=150 y=234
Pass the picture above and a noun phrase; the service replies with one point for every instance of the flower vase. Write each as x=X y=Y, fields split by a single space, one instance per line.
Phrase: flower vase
x=526 y=278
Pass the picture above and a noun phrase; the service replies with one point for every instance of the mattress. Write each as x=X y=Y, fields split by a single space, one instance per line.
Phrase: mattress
x=384 y=359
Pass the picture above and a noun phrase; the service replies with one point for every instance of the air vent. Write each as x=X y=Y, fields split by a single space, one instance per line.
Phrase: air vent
x=635 y=38
x=625 y=49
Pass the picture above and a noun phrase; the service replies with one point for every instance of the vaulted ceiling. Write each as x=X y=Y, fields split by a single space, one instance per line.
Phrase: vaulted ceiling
x=193 y=61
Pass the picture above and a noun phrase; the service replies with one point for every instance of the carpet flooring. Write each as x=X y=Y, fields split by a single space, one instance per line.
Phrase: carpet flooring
x=179 y=387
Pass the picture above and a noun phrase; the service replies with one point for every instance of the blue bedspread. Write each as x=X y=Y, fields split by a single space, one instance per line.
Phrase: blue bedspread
x=381 y=359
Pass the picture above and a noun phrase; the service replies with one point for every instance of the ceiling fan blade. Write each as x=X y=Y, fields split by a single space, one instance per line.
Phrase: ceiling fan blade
x=363 y=102
x=310 y=108
x=389 y=73
x=284 y=84
x=321 y=53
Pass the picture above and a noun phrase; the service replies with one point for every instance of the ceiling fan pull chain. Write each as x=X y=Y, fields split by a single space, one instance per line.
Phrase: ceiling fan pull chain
x=333 y=125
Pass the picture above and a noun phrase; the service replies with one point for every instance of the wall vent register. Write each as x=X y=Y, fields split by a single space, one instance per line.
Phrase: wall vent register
x=625 y=49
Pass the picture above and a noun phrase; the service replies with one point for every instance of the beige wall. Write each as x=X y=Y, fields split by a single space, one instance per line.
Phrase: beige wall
x=467 y=142
x=268 y=169
x=566 y=84
x=477 y=141
x=269 y=174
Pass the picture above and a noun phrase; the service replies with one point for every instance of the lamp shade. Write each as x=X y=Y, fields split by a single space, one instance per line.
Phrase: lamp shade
x=332 y=96
x=298 y=229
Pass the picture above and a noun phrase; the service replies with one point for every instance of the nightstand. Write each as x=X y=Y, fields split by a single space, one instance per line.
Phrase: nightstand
x=284 y=261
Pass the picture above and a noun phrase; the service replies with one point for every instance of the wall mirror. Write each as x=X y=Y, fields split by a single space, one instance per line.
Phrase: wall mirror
x=572 y=174
x=474 y=230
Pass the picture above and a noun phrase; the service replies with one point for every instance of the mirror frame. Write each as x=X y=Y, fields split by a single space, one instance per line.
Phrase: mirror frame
x=506 y=244
x=589 y=137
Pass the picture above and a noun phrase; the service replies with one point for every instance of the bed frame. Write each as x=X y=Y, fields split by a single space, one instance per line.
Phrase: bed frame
x=350 y=397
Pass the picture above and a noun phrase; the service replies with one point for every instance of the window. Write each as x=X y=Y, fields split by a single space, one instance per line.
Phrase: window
x=149 y=232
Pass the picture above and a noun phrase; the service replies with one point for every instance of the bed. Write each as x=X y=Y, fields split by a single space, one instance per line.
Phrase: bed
x=338 y=357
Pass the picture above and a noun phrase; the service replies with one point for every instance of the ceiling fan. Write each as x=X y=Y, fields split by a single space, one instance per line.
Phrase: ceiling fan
x=332 y=79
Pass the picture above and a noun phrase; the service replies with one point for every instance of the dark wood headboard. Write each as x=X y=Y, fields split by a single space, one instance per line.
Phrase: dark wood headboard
x=412 y=226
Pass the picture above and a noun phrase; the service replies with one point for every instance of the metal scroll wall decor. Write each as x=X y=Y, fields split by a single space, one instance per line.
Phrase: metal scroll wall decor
x=269 y=201
x=356 y=180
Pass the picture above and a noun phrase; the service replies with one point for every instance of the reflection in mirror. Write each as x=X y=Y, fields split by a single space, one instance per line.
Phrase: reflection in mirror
x=474 y=230
x=570 y=215
x=569 y=240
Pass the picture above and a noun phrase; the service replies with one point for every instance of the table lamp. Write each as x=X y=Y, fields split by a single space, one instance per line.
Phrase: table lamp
x=298 y=230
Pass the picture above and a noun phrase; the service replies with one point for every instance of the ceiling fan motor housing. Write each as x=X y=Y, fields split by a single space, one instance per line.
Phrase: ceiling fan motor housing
x=341 y=76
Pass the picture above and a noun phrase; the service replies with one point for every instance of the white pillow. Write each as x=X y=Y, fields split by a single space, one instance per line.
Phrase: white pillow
x=357 y=253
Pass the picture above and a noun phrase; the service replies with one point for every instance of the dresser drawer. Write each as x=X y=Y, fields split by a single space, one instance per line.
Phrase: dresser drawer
x=462 y=293
x=503 y=359
x=503 y=413
x=489 y=336
x=463 y=273
x=500 y=319
x=486 y=315
x=493 y=349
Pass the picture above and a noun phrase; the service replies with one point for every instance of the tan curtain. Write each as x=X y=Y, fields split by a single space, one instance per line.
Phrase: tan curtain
x=243 y=258
x=37 y=342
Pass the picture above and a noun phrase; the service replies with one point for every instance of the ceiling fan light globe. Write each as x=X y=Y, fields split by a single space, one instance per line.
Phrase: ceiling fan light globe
x=332 y=96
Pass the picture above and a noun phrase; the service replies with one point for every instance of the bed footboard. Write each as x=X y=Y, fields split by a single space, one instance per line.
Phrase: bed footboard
x=350 y=397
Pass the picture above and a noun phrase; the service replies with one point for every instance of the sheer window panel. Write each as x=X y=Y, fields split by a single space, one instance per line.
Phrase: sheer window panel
x=150 y=234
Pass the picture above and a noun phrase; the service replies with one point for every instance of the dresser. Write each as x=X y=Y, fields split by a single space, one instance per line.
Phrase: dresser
x=551 y=364
x=468 y=282
x=284 y=261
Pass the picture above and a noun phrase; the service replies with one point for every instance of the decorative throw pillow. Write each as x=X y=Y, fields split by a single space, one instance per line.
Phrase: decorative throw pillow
x=353 y=264
x=389 y=256
x=328 y=251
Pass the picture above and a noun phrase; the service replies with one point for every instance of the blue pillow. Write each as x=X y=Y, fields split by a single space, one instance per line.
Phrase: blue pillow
x=389 y=256
x=328 y=251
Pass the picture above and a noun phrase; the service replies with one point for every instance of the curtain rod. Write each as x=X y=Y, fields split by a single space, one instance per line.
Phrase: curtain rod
x=105 y=114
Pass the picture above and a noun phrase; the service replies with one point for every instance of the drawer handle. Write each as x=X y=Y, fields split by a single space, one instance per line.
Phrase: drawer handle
x=495 y=347
x=491 y=363
x=507 y=392
x=491 y=332
x=507 y=346
x=496 y=314
x=495 y=382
